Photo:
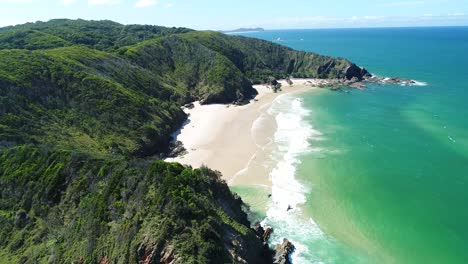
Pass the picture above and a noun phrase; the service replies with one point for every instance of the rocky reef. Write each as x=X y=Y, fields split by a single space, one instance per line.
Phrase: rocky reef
x=337 y=84
x=282 y=252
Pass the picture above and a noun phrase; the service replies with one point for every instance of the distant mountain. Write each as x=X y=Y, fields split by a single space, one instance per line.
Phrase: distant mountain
x=86 y=110
x=243 y=30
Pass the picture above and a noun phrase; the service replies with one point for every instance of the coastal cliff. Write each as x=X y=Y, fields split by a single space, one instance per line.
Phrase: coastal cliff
x=87 y=108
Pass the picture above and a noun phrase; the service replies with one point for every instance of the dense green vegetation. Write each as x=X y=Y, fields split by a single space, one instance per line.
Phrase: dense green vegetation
x=260 y=59
x=102 y=35
x=87 y=107
x=58 y=206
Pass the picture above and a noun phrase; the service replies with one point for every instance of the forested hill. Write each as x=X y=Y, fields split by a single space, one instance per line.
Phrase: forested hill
x=86 y=106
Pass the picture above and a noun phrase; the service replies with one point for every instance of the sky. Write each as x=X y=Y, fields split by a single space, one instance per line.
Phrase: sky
x=219 y=15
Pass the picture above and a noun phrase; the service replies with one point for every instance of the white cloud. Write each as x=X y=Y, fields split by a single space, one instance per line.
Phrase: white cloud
x=146 y=3
x=406 y=3
x=366 y=18
x=320 y=20
x=67 y=2
x=361 y=21
x=169 y=5
x=103 y=2
x=456 y=14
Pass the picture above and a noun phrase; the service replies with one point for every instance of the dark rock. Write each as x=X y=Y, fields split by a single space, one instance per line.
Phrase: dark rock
x=258 y=228
x=289 y=81
x=189 y=106
x=272 y=82
x=267 y=234
x=283 y=252
x=262 y=233
x=177 y=149
x=277 y=87
x=366 y=74
x=21 y=219
x=354 y=71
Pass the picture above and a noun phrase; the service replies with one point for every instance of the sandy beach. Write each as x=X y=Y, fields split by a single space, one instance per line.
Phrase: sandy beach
x=227 y=138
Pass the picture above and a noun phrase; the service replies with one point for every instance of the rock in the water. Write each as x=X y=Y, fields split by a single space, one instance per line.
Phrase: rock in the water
x=258 y=228
x=267 y=234
x=283 y=252
x=262 y=233
x=393 y=80
x=357 y=85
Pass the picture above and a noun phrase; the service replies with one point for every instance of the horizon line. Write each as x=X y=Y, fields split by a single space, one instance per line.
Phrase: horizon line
x=318 y=28
x=244 y=27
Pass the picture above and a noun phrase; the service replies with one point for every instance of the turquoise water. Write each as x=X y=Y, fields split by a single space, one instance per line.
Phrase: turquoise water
x=385 y=174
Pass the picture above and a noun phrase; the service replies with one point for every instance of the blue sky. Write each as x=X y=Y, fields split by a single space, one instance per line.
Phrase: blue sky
x=217 y=14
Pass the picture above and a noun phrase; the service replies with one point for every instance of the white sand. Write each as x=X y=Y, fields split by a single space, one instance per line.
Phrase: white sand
x=220 y=136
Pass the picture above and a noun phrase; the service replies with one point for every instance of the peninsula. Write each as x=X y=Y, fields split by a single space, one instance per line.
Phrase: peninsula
x=240 y=30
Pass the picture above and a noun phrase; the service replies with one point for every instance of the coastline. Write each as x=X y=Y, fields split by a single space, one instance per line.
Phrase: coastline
x=255 y=147
x=229 y=138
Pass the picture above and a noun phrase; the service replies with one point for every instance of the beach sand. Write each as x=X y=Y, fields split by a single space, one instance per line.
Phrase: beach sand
x=228 y=138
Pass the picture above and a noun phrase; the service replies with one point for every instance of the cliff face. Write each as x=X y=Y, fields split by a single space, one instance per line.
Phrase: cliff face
x=86 y=107
x=259 y=59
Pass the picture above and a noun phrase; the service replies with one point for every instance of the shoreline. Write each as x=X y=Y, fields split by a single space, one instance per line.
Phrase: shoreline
x=229 y=138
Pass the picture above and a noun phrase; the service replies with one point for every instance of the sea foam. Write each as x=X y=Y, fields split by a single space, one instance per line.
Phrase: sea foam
x=284 y=214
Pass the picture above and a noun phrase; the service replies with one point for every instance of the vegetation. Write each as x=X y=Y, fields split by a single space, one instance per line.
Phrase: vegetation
x=59 y=206
x=87 y=107
x=102 y=35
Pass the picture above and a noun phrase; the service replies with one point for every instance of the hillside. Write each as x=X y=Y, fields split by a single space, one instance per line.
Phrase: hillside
x=87 y=107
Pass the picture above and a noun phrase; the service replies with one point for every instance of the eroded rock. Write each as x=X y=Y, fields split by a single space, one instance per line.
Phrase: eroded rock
x=283 y=252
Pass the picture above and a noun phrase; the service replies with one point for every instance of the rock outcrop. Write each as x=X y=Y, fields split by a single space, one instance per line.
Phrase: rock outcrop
x=267 y=234
x=258 y=229
x=393 y=80
x=263 y=233
x=354 y=71
x=283 y=252
x=176 y=149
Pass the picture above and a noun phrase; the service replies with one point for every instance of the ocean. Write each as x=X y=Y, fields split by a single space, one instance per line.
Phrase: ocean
x=377 y=175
